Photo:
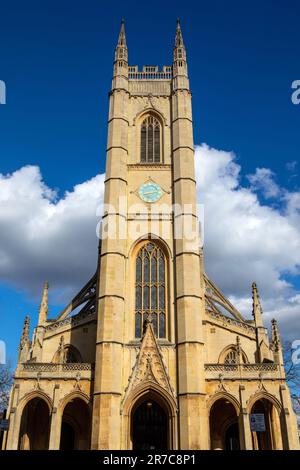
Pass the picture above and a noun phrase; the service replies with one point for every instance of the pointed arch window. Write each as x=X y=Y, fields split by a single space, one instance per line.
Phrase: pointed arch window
x=231 y=356
x=67 y=355
x=150 y=290
x=150 y=140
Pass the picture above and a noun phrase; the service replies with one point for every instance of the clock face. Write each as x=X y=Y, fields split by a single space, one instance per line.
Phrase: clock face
x=150 y=192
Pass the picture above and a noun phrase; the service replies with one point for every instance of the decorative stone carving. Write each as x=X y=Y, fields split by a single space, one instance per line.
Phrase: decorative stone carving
x=229 y=322
x=51 y=367
x=149 y=365
x=38 y=379
x=221 y=386
x=77 y=384
x=61 y=350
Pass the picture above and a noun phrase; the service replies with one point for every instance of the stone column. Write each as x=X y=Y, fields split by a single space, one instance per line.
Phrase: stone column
x=244 y=423
x=14 y=417
x=275 y=429
x=55 y=425
x=289 y=431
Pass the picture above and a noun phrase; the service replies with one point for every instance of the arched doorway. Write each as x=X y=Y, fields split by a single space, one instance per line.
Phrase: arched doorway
x=67 y=436
x=268 y=435
x=224 y=427
x=232 y=438
x=149 y=426
x=75 y=426
x=35 y=425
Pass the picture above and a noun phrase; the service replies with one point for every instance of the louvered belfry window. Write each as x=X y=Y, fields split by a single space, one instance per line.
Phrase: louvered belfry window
x=150 y=140
x=150 y=290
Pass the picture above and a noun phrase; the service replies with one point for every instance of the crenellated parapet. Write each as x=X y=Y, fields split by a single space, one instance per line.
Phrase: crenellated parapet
x=150 y=72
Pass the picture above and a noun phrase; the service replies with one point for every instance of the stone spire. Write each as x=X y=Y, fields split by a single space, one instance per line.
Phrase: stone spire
x=180 y=72
x=43 y=312
x=276 y=345
x=121 y=52
x=24 y=341
x=262 y=339
x=120 y=74
x=25 y=333
x=122 y=37
x=39 y=331
x=256 y=309
x=178 y=37
x=275 y=336
x=179 y=48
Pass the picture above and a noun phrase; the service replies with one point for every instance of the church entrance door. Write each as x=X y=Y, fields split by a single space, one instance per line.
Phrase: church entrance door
x=150 y=427
x=75 y=426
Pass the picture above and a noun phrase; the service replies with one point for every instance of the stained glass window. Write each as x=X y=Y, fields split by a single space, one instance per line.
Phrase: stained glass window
x=150 y=290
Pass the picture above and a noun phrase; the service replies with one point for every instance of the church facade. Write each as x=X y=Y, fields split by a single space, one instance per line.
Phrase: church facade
x=150 y=354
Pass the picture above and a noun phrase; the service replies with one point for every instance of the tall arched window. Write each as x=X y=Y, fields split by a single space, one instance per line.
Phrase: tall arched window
x=150 y=140
x=150 y=290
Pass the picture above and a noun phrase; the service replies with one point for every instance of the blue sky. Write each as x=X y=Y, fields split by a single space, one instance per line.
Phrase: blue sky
x=56 y=60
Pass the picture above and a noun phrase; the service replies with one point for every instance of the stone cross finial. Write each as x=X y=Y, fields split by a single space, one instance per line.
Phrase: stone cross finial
x=24 y=346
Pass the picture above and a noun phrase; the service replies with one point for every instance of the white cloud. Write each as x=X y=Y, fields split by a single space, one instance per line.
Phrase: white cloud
x=263 y=180
x=44 y=237
x=247 y=241
x=286 y=309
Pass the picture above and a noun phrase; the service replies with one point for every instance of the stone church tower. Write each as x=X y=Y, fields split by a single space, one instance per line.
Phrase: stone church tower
x=150 y=354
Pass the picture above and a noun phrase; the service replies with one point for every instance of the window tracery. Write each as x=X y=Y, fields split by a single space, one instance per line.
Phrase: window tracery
x=150 y=290
x=150 y=140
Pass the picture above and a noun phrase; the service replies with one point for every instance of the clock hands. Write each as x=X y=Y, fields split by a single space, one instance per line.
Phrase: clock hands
x=150 y=192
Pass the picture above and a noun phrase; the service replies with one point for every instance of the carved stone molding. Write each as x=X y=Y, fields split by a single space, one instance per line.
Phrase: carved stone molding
x=149 y=366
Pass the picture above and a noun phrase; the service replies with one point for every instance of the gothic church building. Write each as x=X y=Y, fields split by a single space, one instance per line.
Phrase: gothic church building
x=150 y=354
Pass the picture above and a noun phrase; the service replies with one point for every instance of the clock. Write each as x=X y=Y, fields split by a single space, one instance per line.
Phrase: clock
x=150 y=192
